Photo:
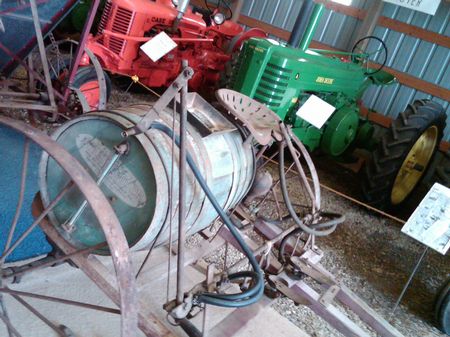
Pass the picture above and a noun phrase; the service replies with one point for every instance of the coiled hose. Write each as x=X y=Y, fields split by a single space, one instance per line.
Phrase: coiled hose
x=255 y=292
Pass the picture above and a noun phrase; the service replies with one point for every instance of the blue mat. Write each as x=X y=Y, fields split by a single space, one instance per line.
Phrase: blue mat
x=11 y=157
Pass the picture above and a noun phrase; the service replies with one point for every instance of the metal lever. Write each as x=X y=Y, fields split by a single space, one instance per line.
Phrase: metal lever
x=120 y=150
x=144 y=124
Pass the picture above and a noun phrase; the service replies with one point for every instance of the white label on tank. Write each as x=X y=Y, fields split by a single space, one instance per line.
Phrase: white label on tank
x=120 y=180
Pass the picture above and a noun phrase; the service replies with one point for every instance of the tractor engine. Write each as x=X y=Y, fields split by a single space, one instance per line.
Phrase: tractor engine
x=127 y=24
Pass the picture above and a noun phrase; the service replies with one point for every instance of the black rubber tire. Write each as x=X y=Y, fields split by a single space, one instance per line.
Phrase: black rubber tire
x=442 y=308
x=381 y=170
x=442 y=172
x=88 y=73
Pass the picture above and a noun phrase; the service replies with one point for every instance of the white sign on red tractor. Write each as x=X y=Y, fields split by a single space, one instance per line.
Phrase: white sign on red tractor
x=425 y=6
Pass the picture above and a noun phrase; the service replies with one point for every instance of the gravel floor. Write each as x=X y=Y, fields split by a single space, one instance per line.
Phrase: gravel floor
x=368 y=253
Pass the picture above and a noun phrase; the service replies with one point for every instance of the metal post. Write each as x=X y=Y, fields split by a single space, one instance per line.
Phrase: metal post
x=237 y=8
x=369 y=23
x=80 y=50
x=43 y=55
x=182 y=6
x=119 y=151
x=301 y=23
x=416 y=267
x=312 y=26
x=182 y=192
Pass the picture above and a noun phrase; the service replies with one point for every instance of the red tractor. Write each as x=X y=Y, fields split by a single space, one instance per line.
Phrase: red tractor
x=205 y=38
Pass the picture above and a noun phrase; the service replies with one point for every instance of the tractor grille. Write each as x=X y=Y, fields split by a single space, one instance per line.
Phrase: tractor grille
x=273 y=85
x=104 y=18
x=122 y=22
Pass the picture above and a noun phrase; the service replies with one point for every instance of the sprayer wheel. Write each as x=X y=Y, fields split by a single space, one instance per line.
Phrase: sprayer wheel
x=403 y=154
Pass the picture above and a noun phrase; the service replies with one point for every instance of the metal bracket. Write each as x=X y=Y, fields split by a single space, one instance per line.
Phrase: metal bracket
x=328 y=296
x=281 y=282
x=144 y=124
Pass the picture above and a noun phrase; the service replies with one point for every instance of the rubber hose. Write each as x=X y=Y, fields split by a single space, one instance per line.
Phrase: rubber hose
x=339 y=218
x=315 y=196
x=288 y=203
x=254 y=293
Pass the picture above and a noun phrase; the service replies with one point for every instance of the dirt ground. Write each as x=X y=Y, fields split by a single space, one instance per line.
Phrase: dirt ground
x=370 y=255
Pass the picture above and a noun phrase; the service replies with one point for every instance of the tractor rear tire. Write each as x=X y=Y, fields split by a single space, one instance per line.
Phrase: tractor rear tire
x=86 y=80
x=423 y=122
x=442 y=308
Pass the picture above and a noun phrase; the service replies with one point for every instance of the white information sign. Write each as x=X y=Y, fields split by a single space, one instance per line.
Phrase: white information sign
x=159 y=46
x=430 y=222
x=315 y=111
x=425 y=6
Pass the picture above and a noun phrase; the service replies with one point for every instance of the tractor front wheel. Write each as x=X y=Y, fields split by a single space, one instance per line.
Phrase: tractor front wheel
x=403 y=154
x=88 y=84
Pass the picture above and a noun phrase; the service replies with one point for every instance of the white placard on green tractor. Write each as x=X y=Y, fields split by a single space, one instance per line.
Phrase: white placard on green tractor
x=315 y=111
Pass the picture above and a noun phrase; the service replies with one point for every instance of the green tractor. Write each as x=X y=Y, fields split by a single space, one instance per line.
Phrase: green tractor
x=290 y=79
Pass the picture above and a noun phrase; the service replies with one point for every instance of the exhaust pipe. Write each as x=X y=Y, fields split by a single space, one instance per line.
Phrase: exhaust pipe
x=301 y=23
x=182 y=6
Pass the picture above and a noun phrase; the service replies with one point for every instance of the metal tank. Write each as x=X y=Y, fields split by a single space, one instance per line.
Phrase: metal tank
x=138 y=185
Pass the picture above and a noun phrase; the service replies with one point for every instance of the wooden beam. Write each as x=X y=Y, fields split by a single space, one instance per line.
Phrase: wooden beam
x=271 y=29
x=342 y=9
x=392 y=24
x=414 y=31
x=419 y=84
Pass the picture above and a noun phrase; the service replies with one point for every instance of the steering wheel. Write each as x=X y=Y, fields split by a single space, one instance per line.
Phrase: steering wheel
x=360 y=55
x=220 y=3
x=205 y=13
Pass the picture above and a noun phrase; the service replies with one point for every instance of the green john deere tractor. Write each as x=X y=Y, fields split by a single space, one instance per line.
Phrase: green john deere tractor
x=284 y=77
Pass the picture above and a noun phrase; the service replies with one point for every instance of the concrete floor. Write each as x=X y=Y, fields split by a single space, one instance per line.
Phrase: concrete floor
x=368 y=253
x=70 y=283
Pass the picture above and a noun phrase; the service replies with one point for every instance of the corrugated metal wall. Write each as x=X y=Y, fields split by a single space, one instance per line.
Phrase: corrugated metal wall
x=407 y=54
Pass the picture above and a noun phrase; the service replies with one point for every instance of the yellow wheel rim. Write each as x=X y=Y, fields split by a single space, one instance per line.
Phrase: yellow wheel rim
x=414 y=165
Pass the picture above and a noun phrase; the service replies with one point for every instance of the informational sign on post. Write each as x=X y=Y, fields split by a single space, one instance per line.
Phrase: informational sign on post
x=430 y=222
x=424 y=6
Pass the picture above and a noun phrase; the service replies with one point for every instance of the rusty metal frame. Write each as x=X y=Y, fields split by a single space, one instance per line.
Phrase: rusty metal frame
x=322 y=304
x=37 y=102
x=122 y=283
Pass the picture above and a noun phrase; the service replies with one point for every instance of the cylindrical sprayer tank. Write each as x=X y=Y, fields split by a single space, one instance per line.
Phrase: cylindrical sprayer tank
x=138 y=184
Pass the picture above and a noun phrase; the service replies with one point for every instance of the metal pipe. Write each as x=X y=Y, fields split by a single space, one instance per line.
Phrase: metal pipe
x=182 y=192
x=80 y=50
x=28 y=95
x=12 y=229
x=182 y=6
x=237 y=8
x=312 y=26
x=301 y=23
x=43 y=55
x=68 y=226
